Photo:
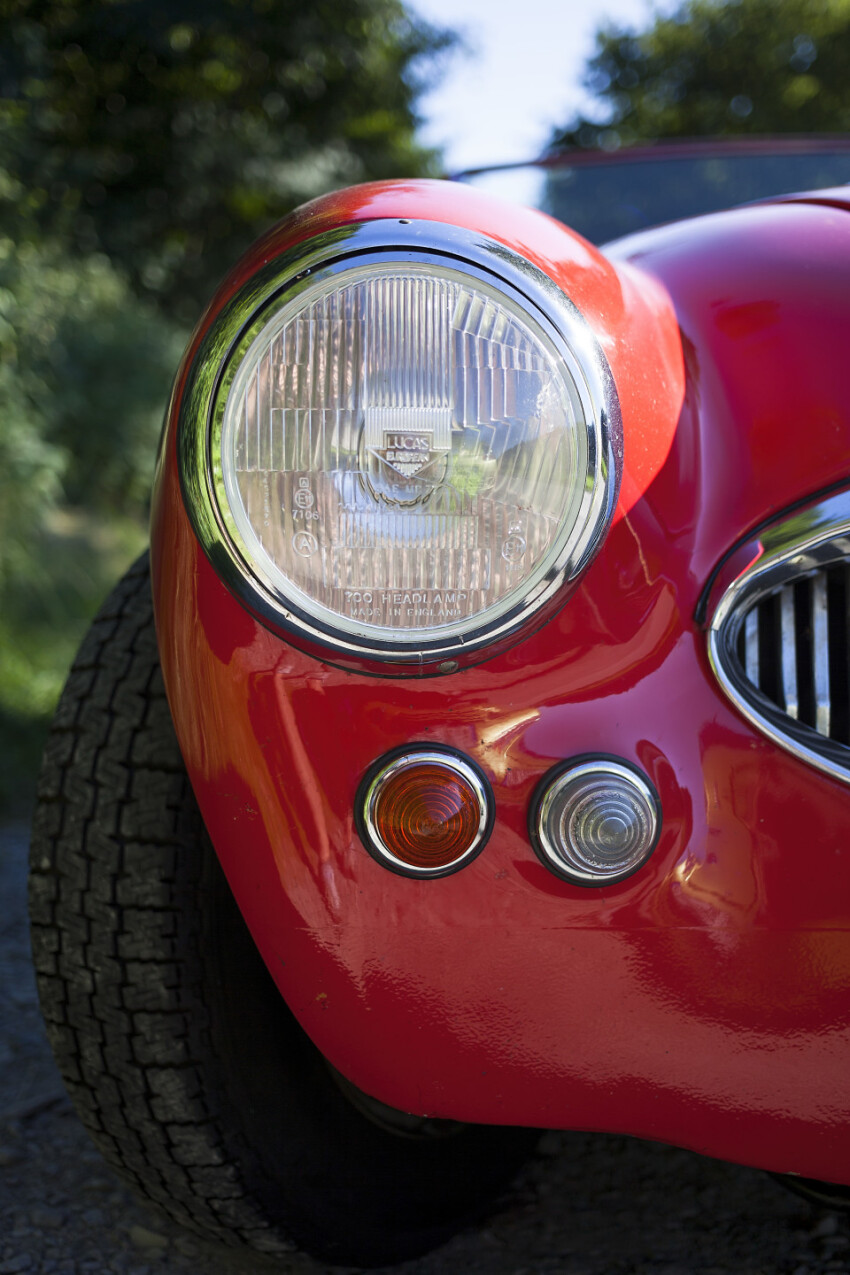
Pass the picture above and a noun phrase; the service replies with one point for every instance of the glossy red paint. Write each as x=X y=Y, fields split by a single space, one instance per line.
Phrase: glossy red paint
x=704 y=1001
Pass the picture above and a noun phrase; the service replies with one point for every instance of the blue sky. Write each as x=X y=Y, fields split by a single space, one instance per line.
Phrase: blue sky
x=521 y=77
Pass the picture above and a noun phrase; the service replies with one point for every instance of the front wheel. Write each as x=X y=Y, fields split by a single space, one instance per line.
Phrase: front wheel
x=187 y=1068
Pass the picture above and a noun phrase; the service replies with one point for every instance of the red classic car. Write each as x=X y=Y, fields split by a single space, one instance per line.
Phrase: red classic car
x=477 y=761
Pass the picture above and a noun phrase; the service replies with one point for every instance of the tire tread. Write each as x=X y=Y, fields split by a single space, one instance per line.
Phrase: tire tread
x=114 y=862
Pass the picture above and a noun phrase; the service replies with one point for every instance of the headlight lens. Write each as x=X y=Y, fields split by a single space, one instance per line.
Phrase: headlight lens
x=408 y=455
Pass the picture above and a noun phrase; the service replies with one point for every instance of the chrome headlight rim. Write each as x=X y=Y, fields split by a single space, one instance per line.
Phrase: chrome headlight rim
x=215 y=365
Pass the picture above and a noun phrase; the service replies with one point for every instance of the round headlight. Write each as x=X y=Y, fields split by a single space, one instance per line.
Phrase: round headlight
x=409 y=449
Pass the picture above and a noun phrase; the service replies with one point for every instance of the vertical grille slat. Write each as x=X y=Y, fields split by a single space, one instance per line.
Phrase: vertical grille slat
x=839 y=615
x=820 y=640
x=788 y=651
x=752 y=663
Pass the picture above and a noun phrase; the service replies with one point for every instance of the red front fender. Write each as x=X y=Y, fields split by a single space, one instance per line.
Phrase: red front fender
x=703 y=1000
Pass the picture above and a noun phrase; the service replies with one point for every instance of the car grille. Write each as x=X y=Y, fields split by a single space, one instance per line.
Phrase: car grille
x=794 y=647
x=779 y=641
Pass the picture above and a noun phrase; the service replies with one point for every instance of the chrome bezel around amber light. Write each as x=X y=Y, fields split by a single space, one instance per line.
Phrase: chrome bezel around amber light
x=217 y=361
x=405 y=758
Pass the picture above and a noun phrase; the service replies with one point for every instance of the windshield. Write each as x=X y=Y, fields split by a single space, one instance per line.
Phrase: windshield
x=604 y=196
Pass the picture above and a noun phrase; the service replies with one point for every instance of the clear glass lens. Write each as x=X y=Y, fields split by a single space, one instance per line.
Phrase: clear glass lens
x=597 y=822
x=404 y=451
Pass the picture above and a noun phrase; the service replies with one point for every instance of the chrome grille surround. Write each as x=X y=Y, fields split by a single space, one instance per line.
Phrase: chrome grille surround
x=794 y=599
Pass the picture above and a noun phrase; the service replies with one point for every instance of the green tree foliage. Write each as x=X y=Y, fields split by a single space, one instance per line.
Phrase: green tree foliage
x=84 y=372
x=143 y=145
x=719 y=67
x=168 y=133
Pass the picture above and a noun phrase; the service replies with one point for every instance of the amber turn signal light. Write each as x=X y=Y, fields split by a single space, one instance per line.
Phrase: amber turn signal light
x=424 y=811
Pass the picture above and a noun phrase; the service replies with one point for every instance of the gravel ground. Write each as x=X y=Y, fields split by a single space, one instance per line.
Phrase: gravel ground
x=588 y=1205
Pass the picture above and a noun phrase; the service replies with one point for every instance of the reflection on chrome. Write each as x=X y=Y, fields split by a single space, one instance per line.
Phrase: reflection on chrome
x=400 y=408
x=780 y=635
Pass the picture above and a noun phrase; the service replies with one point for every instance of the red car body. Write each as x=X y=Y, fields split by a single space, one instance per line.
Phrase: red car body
x=704 y=1000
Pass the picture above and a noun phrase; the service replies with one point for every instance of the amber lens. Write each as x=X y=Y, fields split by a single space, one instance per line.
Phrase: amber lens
x=427 y=815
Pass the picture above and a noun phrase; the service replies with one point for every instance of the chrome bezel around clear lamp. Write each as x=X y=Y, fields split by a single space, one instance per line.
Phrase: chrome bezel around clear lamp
x=277 y=287
x=584 y=779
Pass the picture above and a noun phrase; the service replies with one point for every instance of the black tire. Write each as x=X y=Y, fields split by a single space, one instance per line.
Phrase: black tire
x=824 y=1195
x=185 y=1065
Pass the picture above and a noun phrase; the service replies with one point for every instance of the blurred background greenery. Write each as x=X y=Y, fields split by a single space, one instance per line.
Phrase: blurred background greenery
x=719 y=68
x=145 y=143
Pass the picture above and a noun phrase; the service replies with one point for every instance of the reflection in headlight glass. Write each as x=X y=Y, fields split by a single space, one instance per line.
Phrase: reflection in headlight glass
x=403 y=450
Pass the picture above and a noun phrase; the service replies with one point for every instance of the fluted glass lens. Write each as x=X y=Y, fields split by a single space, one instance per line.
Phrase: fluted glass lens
x=403 y=452
x=598 y=821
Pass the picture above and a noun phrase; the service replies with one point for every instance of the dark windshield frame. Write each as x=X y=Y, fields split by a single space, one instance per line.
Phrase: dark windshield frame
x=606 y=194
x=686 y=148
